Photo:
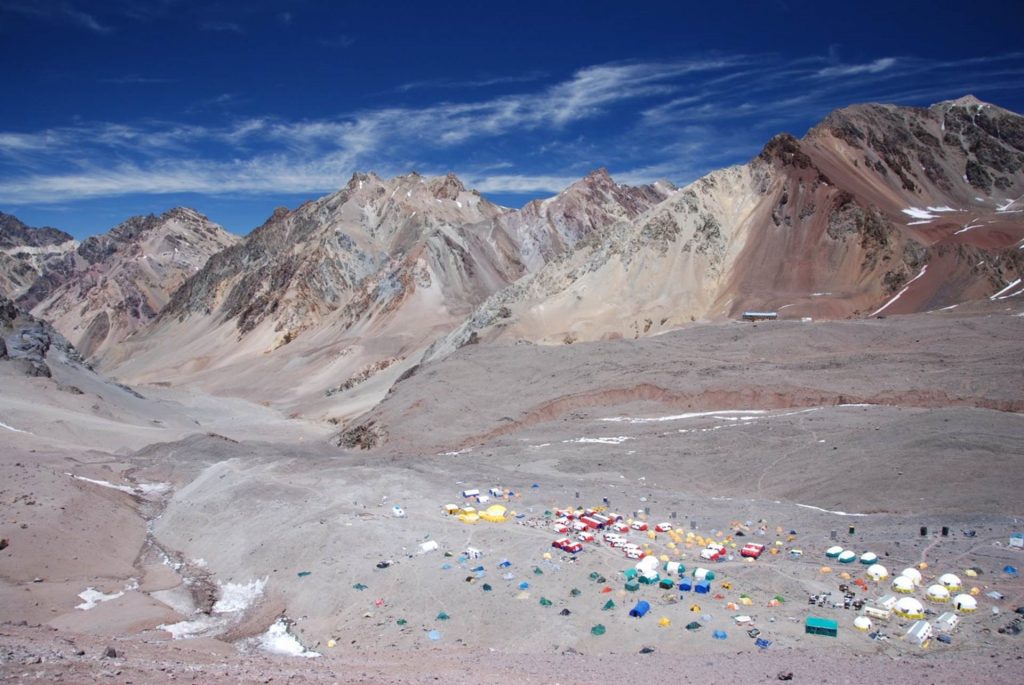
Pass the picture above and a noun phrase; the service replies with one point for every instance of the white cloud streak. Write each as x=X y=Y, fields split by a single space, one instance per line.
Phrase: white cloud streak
x=671 y=119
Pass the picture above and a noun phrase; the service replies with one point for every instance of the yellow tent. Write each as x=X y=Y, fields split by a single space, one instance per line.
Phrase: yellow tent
x=695 y=608
x=494 y=513
x=469 y=518
x=746 y=601
x=826 y=569
x=664 y=622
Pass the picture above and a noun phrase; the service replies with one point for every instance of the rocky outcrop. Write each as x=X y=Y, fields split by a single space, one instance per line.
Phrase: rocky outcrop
x=115 y=283
x=26 y=342
x=27 y=253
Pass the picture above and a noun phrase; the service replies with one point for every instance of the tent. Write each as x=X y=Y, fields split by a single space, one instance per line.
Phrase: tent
x=908 y=607
x=674 y=568
x=868 y=558
x=632 y=586
x=608 y=605
x=703 y=574
x=599 y=629
x=815 y=625
x=903 y=585
x=664 y=622
x=862 y=623
x=641 y=608
x=913 y=574
x=965 y=603
x=833 y=552
x=428 y=546
x=702 y=587
x=950 y=581
x=494 y=513
x=630 y=573
x=877 y=572
x=666 y=584
x=847 y=557
x=693 y=625
x=719 y=635
x=651 y=579
x=937 y=593
x=685 y=585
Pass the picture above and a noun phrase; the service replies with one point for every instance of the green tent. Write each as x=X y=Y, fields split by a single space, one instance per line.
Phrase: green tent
x=666 y=584
x=693 y=626
x=575 y=592
x=630 y=573
x=821 y=626
x=597 y=630
x=650 y=580
x=632 y=586
x=443 y=616
x=594 y=575
x=609 y=605
x=545 y=602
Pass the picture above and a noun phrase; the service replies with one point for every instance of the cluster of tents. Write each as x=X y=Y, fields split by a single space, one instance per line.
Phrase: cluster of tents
x=495 y=513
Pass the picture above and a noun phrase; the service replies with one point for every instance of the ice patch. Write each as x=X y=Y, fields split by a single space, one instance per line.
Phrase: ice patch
x=677 y=417
x=952 y=306
x=918 y=223
x=236 y=597
x=942 y=209
x=92 y=597
x=277 y=640
x=456 y=453
x=828 y=511
x=1005 y=207
x=905 y=288
x=820 y=294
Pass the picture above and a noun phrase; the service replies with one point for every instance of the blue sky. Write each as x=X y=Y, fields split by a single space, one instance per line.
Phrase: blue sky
x=120 y=107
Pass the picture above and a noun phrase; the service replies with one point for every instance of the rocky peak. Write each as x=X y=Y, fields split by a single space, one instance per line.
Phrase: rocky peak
x=15 y=233
x=447 y=187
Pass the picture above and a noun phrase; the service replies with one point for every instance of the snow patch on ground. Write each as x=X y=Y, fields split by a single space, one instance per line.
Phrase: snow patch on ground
x=915 y=213
x=900 y=293
x=1011 y=286
x=142 y=489
x=617 y=440
x=277 y=640
x=967 y=228
x=235 y=597
x=690 y=415
x=12 y=428
x=827 y=511
x=942 y=209
x=92 y=597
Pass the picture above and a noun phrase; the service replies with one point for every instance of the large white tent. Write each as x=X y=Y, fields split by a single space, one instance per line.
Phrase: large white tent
x=903 y=585
x=950 y=581
x=908 y=607
x=913 y=574
x=937 y=593
x=877 y=572
x=965 y=603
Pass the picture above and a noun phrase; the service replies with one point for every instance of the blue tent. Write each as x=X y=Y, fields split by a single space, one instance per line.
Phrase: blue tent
x=685 y=585
x=640 y=609
x=703 y=587
x=719 y=635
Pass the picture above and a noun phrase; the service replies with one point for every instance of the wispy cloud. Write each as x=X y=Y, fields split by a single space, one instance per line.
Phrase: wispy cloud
x=475 y=83
x=339 y=41
x=221 y=27
x=135 y=79
x=875 y=67
x=644 y=120
x=56 y=12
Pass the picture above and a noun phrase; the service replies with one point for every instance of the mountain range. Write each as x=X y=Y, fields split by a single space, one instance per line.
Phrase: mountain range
x=878 y=210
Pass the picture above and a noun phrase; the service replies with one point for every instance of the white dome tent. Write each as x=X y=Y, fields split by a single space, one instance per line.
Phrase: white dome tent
x=877 y=572
x=833 y=552
x=913 y=574
x=937 y=593
x=908 y=607
x=868 y=558
x=847 y=557
x=965 y=603
x=950 y=581
x=903 y=585
x=862 y=623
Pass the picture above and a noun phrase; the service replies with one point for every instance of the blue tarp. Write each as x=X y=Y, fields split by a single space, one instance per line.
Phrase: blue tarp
x=640 y=609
